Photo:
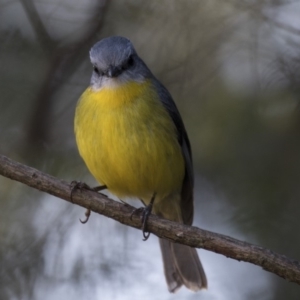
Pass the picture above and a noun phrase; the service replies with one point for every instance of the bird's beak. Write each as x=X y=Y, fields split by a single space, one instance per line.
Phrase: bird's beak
x=113 y=71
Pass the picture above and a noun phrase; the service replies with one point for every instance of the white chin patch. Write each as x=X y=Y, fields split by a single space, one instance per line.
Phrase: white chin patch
x=113 y=82
x=110 y=83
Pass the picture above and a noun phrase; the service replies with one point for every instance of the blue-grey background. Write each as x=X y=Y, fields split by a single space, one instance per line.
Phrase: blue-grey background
x=233 y=68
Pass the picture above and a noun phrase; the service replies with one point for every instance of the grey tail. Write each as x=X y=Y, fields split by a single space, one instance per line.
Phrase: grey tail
x=182 y=266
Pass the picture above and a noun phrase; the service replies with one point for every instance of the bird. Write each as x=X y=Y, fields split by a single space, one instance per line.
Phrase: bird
x=132 y=139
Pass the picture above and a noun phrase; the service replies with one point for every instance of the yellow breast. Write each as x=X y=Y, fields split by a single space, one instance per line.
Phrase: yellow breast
x=128 y=141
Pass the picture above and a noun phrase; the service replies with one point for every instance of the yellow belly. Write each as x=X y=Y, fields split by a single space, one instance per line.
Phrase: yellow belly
x=128 y=141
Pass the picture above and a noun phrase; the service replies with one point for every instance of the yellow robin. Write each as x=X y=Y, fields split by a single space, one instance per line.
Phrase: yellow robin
x=131 y=136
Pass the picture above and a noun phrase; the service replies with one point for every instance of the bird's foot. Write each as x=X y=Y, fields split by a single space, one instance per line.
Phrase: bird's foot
x=78 y=185
x=146 y=211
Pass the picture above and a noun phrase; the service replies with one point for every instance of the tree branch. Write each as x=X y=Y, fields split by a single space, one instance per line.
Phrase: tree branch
x=192 y=236
x=38 y=26
x=63 y=61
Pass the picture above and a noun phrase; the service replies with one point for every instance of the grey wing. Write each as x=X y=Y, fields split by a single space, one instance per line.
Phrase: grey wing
x=187 y=204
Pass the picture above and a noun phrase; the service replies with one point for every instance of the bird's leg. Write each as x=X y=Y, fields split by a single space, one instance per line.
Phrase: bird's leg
x=146 y=211
x=81 y=185
x=78 y=185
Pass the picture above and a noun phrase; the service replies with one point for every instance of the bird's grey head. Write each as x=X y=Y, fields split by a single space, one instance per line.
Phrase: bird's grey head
x=115 y=62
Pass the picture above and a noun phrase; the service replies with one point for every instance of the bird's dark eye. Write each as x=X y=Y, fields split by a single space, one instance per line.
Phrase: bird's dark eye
x=130 y=61
x=96 y=70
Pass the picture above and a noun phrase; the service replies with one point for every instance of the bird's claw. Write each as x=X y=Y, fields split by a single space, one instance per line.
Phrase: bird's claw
x=146 y=211
x=87 y=216
x=78 y=185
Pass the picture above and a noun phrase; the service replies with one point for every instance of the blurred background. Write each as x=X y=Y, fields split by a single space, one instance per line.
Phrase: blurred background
x=233 y=68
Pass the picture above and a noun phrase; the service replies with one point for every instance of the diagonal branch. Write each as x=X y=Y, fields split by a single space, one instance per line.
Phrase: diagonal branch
x=192 y=236
x=63 y=61
x=37 y=24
